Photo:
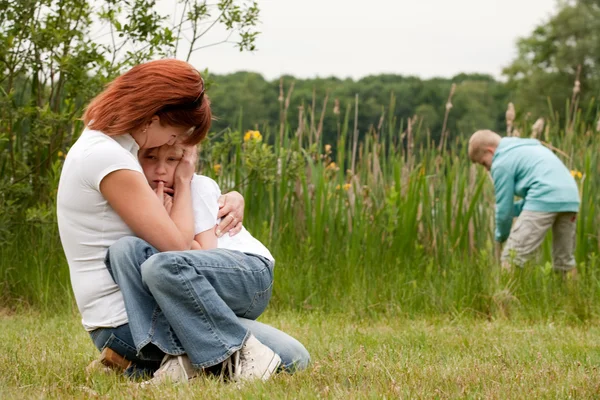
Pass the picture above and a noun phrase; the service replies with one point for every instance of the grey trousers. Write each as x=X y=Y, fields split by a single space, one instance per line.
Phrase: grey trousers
x=528 y=233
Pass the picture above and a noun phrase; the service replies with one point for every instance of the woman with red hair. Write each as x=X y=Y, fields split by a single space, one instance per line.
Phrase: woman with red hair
x=142 y=293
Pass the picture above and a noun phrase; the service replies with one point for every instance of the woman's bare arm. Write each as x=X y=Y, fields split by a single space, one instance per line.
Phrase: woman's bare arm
x=143 y=210
x=131 y=197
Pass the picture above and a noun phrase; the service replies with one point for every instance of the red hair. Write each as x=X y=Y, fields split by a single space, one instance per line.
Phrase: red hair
x=171 y=89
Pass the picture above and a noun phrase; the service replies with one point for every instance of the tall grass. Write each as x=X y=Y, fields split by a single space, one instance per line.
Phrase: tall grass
x=409 y=230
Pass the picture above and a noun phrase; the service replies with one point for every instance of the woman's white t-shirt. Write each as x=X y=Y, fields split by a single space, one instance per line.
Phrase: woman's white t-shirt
x=88 y=225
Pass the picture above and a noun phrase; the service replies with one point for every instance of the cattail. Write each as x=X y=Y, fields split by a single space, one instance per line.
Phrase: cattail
x=576 y=87
x=336 y=107
x=510 y=118
x=537 y=127
x=449 y=102
x=280 y=99
x=444 y=135
x=574 y=101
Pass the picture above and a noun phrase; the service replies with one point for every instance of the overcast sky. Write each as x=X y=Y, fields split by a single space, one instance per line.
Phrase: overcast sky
x=352 y=38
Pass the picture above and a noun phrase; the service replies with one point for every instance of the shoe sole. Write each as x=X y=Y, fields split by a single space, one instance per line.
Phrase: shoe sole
x=273 y=365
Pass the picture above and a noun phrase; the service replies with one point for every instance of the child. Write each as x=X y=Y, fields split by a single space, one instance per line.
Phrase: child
x=550 y=198
x=159 y=165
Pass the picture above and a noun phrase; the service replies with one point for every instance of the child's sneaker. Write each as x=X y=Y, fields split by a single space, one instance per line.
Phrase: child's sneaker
x=173 y=369
x=253 y=361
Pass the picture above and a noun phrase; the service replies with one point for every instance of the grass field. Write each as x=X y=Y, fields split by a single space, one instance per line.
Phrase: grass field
x=44 y=356
x=386 y=271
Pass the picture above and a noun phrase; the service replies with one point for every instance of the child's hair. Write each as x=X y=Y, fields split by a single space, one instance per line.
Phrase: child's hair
x=176 y=146
x=171 y=89
x=481 y=140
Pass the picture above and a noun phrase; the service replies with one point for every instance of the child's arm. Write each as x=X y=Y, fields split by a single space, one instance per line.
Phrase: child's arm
x=518 y=207
x=205 y=195
x=205 y=240
x=504 y=187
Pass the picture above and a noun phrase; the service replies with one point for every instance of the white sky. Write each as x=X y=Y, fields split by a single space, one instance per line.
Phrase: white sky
x=352 y=38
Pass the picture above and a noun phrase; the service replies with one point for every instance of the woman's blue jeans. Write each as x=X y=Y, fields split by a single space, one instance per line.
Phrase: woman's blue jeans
x=203 y=303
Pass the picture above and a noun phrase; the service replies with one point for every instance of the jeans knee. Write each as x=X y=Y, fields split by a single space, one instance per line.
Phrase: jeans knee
x=126 y=245
x=155 y=270
x=299 y=359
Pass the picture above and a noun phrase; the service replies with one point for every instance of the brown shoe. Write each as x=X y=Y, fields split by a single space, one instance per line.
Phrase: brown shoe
x=114 y=360
x=96 y=366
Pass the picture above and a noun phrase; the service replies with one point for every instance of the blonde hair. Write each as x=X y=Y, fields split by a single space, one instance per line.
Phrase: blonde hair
x=481 y=140
x=177 y=147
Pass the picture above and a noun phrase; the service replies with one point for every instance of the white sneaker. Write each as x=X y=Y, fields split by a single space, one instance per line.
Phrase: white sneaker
x=173 y=369
x=253 y=361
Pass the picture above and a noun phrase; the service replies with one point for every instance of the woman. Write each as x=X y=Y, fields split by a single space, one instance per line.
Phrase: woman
x=104 y=200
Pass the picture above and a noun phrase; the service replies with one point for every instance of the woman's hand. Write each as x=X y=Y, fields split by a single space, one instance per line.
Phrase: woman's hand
x=187 y=166
x=231 y=212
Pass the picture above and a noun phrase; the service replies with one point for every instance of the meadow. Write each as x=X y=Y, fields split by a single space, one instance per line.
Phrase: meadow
x=386 y=270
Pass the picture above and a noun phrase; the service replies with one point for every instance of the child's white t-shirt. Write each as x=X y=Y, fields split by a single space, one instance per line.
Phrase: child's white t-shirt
x=205 y=196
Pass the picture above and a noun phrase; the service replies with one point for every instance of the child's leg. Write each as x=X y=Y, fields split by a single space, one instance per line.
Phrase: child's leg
x=294 y=356
x=563 y=246
x=527 y=236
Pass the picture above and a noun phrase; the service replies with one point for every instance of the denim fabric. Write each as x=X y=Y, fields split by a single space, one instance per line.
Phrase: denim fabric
x=119 y=339
x=189 y=302
x=294 y=356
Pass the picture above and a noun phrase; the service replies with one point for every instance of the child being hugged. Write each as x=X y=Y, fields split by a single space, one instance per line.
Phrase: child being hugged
x=159 y=165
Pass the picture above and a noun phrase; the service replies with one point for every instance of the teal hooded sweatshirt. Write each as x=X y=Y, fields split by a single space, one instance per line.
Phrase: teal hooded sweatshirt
x=527 y=169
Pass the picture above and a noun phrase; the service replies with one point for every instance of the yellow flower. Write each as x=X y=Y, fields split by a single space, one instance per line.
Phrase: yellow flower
x=576 y=174
x=347 y=186
x=60 y=154
x=332 y=166
x=327 y=148
x=337 y=187
x=217 y=168
x=252 y=135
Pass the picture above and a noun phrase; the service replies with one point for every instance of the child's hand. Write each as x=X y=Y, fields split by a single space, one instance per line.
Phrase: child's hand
x=162 y=194
x=168 y=203
x=187 y=165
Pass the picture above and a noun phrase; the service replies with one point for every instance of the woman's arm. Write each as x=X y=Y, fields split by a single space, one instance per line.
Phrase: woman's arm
x=131 y=197
x=143 y=211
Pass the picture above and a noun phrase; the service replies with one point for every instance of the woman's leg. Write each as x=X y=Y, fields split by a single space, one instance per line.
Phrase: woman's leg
x=188 y=302
x=294 y=356
x=120 y=341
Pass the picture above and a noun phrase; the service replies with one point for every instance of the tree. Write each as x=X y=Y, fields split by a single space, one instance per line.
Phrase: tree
x=548 y=60
x=52 y=63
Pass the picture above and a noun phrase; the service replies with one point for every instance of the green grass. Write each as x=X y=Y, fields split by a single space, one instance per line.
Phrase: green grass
x=409 y=231
x=386 y=273
x=44 y=356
